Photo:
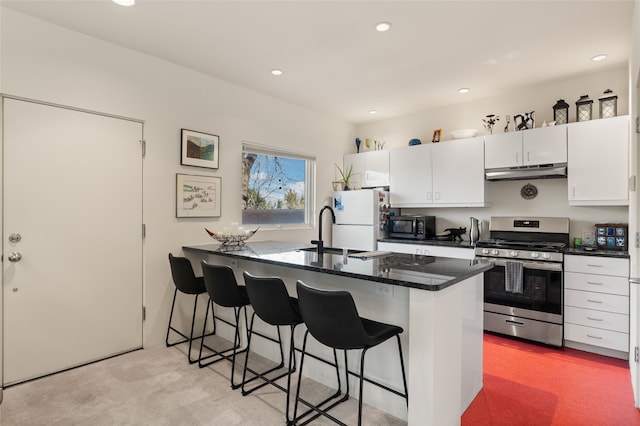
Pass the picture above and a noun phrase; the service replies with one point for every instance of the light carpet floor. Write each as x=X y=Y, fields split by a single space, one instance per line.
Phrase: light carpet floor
x=157 y=386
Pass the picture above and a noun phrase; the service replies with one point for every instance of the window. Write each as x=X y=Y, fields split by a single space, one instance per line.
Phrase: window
x=277 y=186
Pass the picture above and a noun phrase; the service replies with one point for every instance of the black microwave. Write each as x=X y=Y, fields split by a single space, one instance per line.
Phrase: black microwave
x=412 y=227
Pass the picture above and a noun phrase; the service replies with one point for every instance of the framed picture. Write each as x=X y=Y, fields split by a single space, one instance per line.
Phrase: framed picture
x=436 y=135
x=199 y=149
x=197 y=196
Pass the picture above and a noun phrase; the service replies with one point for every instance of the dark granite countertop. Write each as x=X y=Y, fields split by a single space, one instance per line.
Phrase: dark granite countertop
x=468 y=245
x=600 y=253
x=456 y=244
x=407 y=270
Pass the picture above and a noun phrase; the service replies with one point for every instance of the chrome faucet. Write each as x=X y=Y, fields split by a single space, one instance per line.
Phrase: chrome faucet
x=319 y=241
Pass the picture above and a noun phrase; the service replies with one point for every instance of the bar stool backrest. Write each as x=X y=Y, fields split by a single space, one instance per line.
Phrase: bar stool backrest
x=221 y=285
x=271 y=301
x=183 y=276
x=332 y=317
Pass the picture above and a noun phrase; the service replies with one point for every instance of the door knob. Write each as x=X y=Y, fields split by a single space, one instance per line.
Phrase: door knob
x=15 y=257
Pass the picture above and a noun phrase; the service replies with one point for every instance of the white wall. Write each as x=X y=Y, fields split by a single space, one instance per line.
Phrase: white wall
x=634 y=210
x=46 y=62
x=634 y=108
x=505 y=197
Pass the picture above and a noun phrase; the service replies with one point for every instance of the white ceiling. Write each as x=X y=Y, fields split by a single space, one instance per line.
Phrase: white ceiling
x=336 y=63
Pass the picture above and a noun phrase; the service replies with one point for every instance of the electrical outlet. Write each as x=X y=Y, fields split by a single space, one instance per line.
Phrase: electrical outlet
x=384 y=290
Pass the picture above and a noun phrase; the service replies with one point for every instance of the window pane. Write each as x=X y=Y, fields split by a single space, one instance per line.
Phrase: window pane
x=274 y=189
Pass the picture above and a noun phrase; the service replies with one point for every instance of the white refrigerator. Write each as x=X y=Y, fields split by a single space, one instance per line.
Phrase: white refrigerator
x=360 y=218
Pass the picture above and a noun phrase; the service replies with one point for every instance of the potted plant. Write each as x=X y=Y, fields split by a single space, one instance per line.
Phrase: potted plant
x=345 y=178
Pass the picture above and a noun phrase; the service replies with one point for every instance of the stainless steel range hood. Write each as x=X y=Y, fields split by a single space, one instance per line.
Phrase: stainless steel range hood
x=545 y=171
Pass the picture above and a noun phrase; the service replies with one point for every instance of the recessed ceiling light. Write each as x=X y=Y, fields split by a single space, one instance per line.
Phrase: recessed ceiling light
x=599 y=57
x=125 y=2
x=464 y=90
x=276 y=72
x=373 y=111
x=383 y=26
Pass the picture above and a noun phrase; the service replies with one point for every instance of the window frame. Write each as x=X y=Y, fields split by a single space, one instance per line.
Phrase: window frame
x=310 y=182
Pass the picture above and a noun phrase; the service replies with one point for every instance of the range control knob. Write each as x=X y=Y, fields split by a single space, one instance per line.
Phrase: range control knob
x=546 y=255
x=535 y=254
x=513 y=253
x=485 y=251
x=495 y=252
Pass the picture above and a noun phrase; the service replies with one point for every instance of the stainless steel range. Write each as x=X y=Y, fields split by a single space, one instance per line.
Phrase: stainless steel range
x=523 y=293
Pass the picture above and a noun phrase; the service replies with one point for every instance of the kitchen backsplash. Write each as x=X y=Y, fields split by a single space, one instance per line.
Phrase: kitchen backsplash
x=505 y=200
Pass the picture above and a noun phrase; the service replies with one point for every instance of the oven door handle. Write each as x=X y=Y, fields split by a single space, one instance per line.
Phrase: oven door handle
x=546 y=266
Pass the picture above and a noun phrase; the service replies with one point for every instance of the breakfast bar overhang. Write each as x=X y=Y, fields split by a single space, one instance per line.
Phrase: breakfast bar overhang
x=438 y=301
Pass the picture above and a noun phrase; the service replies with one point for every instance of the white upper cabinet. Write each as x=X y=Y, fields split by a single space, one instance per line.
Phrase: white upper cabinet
x=410 y=176
x=544 y=145
x=503 y=150
x=598 y=162
x=444 y=174
x=370 y=169
x=458 y=173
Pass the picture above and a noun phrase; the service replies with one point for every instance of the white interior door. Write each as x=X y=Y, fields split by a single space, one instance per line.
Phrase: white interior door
x=72 y=190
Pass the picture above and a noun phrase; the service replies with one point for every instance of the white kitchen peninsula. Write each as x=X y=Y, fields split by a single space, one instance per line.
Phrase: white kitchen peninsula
x=438 y=302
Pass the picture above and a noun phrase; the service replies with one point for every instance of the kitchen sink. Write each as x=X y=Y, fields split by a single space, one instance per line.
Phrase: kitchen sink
x=331 y=250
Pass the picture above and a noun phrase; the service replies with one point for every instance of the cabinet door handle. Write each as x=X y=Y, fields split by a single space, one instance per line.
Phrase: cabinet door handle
x=594 y=301
x=437 y=195
x=517 y=157
x=592 y=283
x=591 y=265
x=516 y=323
x=428 y=195
x=594 y=337
x=573 y=190
x=528 y=156
x=594 y=319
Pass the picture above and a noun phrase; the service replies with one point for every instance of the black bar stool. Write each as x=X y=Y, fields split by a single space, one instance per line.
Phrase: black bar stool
x=332 y=319
x=186 y=282
x=272 y=304
x=223 y=290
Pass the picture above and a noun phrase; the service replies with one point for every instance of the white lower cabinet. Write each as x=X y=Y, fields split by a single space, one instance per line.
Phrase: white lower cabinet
x=596 y=304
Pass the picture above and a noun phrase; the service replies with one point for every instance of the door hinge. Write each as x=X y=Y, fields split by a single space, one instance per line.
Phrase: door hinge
x=143 y=144
x=144 y=231
x=144 y=313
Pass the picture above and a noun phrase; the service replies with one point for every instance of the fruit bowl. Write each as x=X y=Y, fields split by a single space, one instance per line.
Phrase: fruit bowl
x=463 y=133
x=227 y=239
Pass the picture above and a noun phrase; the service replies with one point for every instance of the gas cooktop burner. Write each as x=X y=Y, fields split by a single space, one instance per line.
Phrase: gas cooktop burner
x=527 y=245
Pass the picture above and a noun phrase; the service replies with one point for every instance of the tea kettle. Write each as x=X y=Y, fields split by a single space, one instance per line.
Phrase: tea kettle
x=475 y=230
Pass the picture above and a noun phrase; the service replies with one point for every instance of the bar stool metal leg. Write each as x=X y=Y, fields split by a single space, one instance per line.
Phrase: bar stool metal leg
x=188 y=284
x=186 y=338
x=318 y=408
x=228 y=354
